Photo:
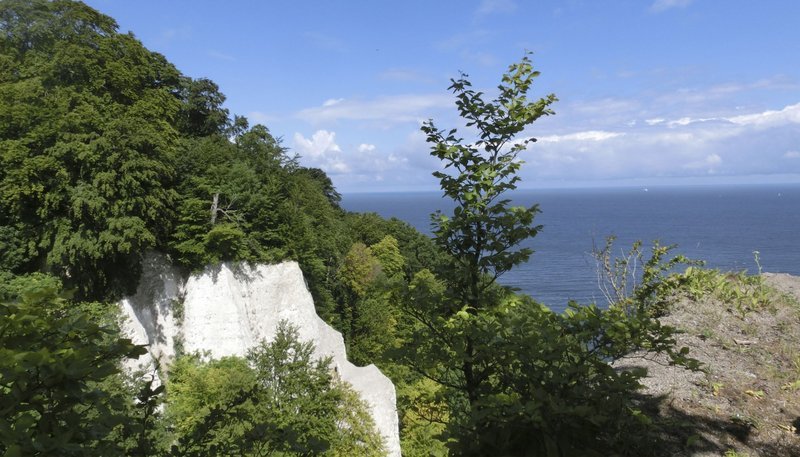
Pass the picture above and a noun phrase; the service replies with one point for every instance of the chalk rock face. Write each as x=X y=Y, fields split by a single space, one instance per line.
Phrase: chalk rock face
x=230 y=308
x=149 y=316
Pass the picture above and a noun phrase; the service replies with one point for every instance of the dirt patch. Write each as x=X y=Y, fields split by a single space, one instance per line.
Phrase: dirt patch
x=747 y=401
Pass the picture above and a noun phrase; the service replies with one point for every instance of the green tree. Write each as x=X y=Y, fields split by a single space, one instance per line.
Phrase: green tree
x=55 y=365
x=86 y=145
x=248 y=199
x=196 y=389
x=107 y=150
x=483 y=234
x=418 y=250
x=202 y=113
x=372 y=278
x=359 y=269
x=387 y=253
x=517 y=378
x=280 y=400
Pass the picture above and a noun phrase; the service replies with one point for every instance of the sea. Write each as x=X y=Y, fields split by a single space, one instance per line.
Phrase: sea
x=722 y=225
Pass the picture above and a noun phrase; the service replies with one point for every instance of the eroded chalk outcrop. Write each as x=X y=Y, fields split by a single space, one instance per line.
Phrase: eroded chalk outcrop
x=228 y=309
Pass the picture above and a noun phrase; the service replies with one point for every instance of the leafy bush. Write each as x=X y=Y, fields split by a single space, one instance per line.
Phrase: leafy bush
x=55 y=366
x=639 y=286
x=280 y=399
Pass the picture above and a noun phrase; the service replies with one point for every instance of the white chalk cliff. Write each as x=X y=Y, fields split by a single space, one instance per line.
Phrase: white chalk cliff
x=228 y=309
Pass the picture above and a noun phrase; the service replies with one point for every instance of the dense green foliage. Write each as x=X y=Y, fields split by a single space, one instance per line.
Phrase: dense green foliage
x=56 y=366
x=87 y=144
x=483 y=233
x=107 y=150
x=516 y=378
x=61 y=392
x=278 y=401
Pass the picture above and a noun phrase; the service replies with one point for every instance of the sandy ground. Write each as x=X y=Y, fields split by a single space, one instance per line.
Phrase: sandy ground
x=747 y=401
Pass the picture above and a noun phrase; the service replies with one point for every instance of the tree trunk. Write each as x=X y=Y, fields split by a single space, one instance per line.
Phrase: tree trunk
x=214 y=208
x=470 y=383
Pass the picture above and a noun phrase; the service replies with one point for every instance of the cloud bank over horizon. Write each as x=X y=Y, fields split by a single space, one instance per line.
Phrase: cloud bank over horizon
x=743 y=144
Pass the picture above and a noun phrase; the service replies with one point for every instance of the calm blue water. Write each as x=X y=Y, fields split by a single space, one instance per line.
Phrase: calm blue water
x=721 y=225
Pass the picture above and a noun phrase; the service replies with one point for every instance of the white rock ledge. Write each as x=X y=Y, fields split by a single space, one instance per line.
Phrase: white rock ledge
x=230 y=308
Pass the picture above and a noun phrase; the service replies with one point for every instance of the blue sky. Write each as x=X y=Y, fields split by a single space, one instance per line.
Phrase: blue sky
x=650 y=91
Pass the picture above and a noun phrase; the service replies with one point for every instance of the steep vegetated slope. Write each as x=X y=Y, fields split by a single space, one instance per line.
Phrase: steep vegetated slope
x=108 y=151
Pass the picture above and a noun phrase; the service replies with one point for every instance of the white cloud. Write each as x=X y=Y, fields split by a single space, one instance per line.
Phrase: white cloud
x=321 y=151
x=661 y=145
x=788 y=115
x=322 y=142
x=765 y=119
x=368 y=159
x=590 y=135
x=396 y=159
x=663 y=5
x=713 y=159
x=682 y=121
x=390 y=109
x=360 y=163
x=687 y=146
x=332 y=102
x=338 y=166
x=416 y=152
